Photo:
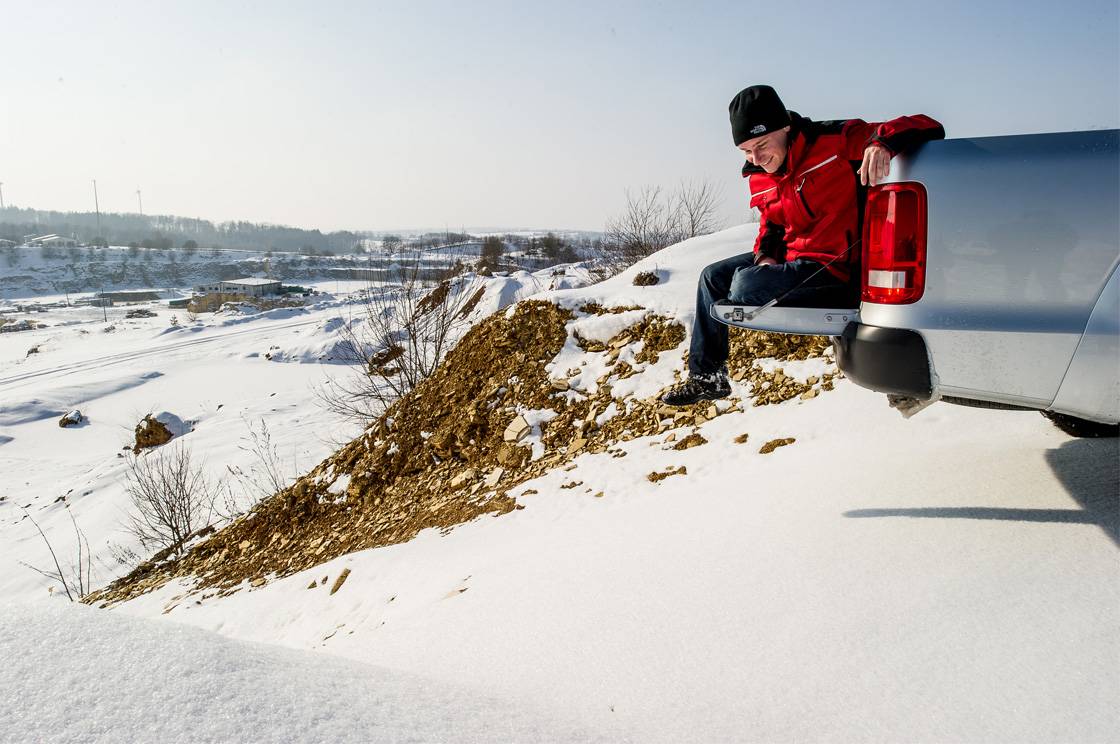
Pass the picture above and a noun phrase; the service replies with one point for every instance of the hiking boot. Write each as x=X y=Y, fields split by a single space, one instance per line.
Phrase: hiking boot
x=697 y=388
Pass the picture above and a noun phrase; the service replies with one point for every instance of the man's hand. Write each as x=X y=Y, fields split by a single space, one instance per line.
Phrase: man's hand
x=765 y=261
x=876 y=165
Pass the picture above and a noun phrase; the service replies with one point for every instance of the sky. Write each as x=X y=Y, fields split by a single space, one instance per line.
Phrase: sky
x=396 y=115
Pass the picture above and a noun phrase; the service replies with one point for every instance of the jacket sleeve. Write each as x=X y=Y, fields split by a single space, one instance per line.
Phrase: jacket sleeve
x=897 y=135
x=771 y=241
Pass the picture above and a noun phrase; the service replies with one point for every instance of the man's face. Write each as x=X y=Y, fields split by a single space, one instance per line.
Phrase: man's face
x=768 y=151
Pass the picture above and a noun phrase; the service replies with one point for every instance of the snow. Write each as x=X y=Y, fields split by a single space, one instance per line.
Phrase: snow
x=173 y=423
x=946 y=588
x=952 y=577
x=603 y=328
x=114 y=678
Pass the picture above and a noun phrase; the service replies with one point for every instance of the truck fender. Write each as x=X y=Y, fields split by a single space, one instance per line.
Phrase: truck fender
x=1090 y=388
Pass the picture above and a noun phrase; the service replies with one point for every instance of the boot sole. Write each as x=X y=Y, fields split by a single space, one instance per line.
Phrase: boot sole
x=705 y=396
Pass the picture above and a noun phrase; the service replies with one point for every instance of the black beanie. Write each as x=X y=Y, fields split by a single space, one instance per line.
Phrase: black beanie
x=756 y=111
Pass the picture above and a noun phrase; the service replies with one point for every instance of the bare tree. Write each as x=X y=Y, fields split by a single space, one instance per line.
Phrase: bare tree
x=76 y=579
x=654 y=219
x=491 y=254
x=171 y=498
x=407 y=326
x=391 y=243
x=695 y=206
x=645 y=227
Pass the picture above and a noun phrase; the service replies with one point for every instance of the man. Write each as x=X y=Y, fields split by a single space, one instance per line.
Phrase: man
x=809 y=180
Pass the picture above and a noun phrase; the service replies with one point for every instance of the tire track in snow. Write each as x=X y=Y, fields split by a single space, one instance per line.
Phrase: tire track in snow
x=128 y=356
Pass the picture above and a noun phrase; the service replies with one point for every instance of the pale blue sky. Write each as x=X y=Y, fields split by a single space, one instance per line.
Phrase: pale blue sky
x=513 y=114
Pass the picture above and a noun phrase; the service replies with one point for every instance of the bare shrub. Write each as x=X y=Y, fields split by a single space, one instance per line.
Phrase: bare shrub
x=171 y=498
x=75 y=579
x=265 y=474
x=124 y=555
x=407 y=327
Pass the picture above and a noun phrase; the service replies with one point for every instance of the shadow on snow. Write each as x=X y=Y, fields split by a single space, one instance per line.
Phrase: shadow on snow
x=1089 y=469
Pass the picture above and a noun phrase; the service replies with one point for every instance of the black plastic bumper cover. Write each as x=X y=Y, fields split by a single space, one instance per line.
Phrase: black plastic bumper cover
x=889 y=360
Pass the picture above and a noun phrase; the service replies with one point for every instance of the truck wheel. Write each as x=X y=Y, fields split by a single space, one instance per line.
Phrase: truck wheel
x=1079 y=427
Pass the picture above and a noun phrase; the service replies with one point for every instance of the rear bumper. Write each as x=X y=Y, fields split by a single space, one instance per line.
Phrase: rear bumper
x=889 y=360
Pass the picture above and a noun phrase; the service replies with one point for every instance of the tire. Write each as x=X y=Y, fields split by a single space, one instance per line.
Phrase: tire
x=1079 y=427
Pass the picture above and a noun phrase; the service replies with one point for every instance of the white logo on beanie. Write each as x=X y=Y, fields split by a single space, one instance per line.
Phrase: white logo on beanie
x=758 y=129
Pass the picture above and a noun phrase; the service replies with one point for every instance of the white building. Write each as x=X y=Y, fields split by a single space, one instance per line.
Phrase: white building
x=52 y=239
x=251 y=287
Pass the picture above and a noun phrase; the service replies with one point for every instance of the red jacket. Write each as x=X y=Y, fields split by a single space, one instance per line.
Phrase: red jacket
x=813 y=206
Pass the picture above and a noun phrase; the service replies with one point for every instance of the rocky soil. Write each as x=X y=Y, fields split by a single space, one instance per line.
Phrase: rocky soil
x=459 y=445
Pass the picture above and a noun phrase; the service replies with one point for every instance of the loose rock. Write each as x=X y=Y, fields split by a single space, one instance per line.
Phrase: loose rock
x=774 y=444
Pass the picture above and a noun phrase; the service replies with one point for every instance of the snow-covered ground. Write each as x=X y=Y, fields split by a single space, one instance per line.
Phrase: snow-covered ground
x=169 y=682
x=952 y=577
x=226 y=374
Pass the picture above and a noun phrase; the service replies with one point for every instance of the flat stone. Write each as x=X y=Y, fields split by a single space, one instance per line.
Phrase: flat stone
x=340 y=580
x=494 y=477
x=517 y=430
x=463 y=478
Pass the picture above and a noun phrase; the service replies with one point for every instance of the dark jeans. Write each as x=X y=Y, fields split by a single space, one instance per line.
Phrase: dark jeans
x=739 y=280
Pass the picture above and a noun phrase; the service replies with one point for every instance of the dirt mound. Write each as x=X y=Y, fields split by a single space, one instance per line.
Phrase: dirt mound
x=459 y=445
x=150 y=432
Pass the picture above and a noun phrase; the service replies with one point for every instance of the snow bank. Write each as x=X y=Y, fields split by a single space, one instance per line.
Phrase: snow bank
x=114 y=678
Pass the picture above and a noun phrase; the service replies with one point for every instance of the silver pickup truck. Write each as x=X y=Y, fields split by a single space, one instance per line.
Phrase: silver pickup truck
x=989 y=278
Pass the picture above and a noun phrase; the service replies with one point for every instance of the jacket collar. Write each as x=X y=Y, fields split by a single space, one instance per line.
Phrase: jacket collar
x=797 y=126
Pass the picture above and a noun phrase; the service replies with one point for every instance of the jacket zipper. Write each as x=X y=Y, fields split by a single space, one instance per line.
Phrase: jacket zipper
x=803 y=178
x=804 y=203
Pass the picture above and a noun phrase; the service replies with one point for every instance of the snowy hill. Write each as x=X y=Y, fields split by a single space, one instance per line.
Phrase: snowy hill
x=794 y=563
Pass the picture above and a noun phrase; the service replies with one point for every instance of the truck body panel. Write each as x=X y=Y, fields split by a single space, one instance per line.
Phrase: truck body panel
x=1023 y=234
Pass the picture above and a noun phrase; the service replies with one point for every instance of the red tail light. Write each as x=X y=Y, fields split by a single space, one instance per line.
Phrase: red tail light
x=894 y=244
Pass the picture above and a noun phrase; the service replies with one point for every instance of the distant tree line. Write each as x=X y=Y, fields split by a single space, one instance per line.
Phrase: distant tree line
x=166 y=231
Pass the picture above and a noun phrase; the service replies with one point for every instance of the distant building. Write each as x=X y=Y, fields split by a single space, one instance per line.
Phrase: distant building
x=250 y=287
x=112 y=298
x=52 y=239
x=6 y=243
